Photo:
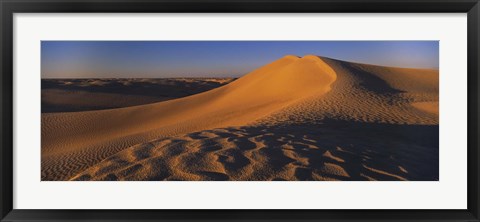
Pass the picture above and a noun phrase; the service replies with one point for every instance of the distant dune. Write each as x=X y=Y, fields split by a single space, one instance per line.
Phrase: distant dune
x=309 y=118
x=73 y=95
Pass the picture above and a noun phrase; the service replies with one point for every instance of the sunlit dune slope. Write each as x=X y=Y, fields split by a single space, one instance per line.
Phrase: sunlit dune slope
x=72 y=142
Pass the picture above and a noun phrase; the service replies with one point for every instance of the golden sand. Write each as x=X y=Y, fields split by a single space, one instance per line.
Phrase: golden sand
x=271 y=124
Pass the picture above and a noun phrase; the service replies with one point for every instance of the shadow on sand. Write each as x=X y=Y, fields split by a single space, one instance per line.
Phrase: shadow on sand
x=334 y=150
x=327 y=150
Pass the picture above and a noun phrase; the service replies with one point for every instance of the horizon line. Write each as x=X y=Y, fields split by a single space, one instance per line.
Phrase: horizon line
x=241 y=75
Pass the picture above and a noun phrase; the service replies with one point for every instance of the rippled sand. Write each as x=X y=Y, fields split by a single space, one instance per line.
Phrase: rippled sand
x=309 y=118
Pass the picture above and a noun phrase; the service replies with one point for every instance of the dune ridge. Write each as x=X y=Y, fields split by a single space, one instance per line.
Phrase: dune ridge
x=278 y=122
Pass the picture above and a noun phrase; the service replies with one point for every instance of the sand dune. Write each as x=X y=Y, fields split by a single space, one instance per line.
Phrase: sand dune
x=367 y=93
x=289 y=120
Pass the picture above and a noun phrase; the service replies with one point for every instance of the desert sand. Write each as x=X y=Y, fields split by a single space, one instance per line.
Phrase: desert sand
x=298 y=118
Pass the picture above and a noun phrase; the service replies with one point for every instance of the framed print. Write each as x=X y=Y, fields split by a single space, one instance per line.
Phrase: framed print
x=216 y=110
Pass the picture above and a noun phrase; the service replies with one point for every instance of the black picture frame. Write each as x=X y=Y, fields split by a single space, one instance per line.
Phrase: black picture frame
x=9 y=7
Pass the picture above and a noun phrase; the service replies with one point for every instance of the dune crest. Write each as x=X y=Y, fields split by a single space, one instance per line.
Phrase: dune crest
x=72 y=142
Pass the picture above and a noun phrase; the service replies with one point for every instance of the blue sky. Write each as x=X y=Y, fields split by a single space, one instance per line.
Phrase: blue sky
x=159 y=59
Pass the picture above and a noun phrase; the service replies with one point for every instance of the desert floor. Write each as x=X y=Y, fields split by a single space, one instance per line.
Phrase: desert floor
x=298 y=118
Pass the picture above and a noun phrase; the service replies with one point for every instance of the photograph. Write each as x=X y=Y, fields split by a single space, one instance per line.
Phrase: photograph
x=240 y=110
x=276 y=110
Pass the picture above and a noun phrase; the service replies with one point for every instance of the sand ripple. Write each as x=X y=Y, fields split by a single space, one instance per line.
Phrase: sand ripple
x=331 y=151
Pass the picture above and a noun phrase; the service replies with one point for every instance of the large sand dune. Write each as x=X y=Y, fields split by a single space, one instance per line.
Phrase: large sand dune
x=309 y=118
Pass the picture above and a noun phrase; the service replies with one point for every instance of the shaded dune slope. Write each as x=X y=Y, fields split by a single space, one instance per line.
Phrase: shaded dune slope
x=309 y=118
